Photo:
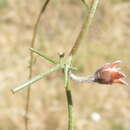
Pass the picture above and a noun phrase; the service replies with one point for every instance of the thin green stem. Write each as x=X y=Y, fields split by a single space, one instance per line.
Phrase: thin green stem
x=31 y=62
x=68 y=94
x=84 y=2
x=36 y=78
x=70 y=108
x=85 y=27
x=44 y=56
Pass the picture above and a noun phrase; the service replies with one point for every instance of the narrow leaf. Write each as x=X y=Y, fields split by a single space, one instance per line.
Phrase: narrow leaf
x=44 y=56
x=36 y=78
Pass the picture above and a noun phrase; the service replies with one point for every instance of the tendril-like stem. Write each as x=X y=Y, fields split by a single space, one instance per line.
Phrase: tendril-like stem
x=31 y=63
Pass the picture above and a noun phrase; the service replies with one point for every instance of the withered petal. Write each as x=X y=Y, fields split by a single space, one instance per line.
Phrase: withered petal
x=109 y=74
x=105 y=75
x=120 y=81
x=114 y=64
x=117 y=75
x=111 y=65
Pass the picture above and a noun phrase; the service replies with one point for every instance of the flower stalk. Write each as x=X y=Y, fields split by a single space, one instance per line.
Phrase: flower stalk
x=81 y=79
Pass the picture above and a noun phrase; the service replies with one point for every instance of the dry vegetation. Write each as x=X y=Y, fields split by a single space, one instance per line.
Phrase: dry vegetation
x=108 y=40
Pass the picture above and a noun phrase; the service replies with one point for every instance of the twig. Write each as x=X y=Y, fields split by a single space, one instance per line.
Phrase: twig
x=31 y=62
x=85 y=27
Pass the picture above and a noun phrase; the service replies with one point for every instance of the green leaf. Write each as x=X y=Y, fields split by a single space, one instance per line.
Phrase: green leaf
x=43 y=55
x=36 y=78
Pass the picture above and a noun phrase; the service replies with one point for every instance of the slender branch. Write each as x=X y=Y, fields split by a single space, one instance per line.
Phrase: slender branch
x=44 y=56
x=36 y=78
x=85 y=27
x=68 y=95
x=31 y=62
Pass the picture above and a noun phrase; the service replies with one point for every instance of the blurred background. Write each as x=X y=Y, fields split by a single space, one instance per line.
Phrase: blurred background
x=96 y=107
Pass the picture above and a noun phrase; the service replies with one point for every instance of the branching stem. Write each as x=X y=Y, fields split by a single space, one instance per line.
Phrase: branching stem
x=66 y=66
